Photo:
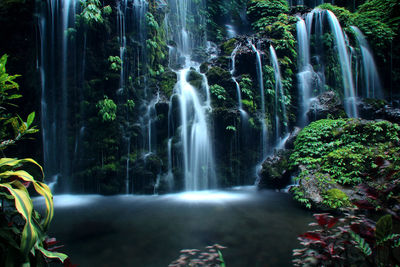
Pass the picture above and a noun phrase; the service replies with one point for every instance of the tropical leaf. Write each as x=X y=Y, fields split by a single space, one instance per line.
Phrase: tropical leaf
x=11 y=162
x=40 y=187
x=30 y=119
x=361 y=244
x=51 y=254
x=23 y=204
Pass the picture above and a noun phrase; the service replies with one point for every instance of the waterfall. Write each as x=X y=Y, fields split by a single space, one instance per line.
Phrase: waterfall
x=197 y=152
x=344 y=59
x=372 y=87
x=262 y=115
x=57 y=17
x=279 y=107
x=243 y=114
x=306 y=72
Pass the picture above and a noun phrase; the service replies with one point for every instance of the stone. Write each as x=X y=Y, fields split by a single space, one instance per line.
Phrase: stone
x=324 y=105
x=275 y=173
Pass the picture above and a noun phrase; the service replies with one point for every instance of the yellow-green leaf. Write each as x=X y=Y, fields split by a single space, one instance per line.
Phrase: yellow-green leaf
x=50 y=254
x=45 y=191
x=16 y=162
x=23 y=204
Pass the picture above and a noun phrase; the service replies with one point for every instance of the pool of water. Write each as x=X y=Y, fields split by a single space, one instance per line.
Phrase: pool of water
x=259 y=228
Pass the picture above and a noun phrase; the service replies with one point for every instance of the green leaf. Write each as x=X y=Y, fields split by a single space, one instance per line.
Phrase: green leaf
x=383 y=227
x=23 y=204
x=30 y=119
x=50 y=254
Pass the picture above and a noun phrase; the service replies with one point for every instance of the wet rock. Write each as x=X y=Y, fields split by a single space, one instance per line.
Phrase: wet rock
x=275 y=172
x=220 y=76
x=145 y=171
x=326 y=104
x=167 y=82
x=289 y=144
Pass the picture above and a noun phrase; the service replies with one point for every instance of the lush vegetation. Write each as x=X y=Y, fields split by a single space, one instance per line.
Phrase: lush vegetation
x=23 y=239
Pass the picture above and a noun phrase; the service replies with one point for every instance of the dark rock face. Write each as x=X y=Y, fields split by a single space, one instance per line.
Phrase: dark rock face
x=145 y=171
x=326 y=104
x=370 y=109
x=274 y=173
x=289 y=144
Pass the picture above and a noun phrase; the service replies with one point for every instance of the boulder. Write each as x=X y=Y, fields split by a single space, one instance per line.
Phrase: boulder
x=328 y=103
x=275 y=173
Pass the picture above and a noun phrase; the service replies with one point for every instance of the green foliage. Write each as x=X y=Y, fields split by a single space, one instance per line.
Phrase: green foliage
x=300 y=196
x=361 y=244
x=264 y=12
x=345 y=148
x=335 y=198
x=231 y=128
x=107 y=109
x=218 y=91
x=7 y=84
x=115 y=62
x=92 y=11
x=22 y=227
x=383 y=227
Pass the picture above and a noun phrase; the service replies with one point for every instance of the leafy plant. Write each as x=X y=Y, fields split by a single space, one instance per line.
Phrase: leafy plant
x=212 y=256
x=92 y=11
x=23 y=239
x=107 y=109
x=218 y=91
x=115 y=62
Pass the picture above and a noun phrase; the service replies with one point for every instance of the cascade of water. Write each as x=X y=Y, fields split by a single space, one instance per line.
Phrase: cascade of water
x=261 y=86
x=198 y=159
x=170 y=175
x=306 y=72
x=344 y=59
x=57 y=17
x=197 y=153
x=243 y=113
x=372 y=84
x=279 y=107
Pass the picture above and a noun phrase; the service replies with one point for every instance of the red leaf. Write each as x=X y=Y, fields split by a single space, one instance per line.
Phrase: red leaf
x=322 y=219
x=311 y=236
x=332 y=222
x=364 y=204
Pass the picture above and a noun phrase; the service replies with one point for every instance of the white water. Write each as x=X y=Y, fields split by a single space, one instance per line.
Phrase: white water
x=243 y=113
x=198 y=159
x=264 y=137
x=344 y=60
x=197 y=152
x=54 y=61
x=305 y=74
x=372 y=87
x=279 y=107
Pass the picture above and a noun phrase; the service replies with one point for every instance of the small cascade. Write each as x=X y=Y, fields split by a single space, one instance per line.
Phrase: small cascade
x=344 y=59
x=243 y=114
x=230 y=30
x=264 y=134
x=371 y=86
x=170 y=175
x=281 y=122
x=306 y=71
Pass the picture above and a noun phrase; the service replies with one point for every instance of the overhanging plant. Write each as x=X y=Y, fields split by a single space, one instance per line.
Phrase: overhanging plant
x=23 y=239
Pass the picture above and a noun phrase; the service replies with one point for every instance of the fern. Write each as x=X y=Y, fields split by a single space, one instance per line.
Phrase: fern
x=361 y=244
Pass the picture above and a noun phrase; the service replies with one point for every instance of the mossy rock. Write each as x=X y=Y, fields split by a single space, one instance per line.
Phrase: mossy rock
x=167 y=82
x=220 y=76
x=348 y=151
x=228 y=47
x=195 y=79
x=204 y=67
x=275 y=173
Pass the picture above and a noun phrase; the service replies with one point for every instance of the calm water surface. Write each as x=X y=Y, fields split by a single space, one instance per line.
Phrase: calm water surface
x=259 y=228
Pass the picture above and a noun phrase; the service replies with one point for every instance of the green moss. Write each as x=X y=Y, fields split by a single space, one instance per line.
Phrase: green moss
x=345 y=148
x=335 y=198
x=167 y=82
x=228 y=47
